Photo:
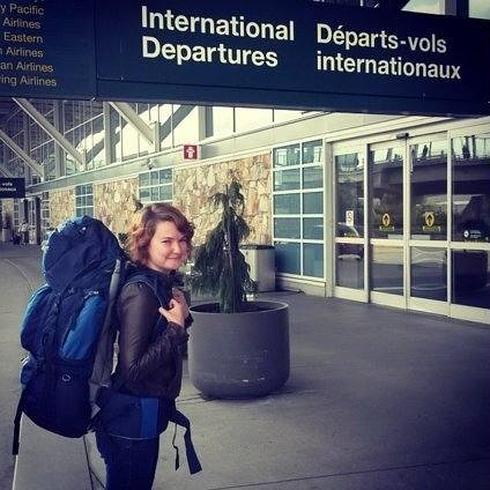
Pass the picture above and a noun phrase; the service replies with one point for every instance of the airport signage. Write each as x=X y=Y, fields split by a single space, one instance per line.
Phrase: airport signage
x=12 y=188
x=47 y=49
x=295 y=54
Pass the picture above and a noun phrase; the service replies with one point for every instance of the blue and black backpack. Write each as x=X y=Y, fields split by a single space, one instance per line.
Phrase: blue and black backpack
x=69 y=333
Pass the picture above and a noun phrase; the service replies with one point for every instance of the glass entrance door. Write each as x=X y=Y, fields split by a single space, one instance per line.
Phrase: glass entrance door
x=427 y=177
x=412 y=222
x=386 y=220
x=350 y=219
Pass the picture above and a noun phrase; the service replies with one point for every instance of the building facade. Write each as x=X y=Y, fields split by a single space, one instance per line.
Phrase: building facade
x=393 y=210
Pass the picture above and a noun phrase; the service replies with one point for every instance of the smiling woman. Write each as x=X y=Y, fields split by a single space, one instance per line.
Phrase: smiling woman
x=152 y=317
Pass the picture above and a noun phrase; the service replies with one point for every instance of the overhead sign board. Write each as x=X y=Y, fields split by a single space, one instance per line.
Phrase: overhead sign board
x=12 y=188
x=296 y=54
x=47 y=49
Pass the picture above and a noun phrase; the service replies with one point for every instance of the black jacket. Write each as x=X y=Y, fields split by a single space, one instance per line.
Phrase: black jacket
x=149 y=357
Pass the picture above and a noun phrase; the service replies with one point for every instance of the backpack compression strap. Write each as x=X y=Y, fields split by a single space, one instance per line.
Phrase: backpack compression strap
x=192 y=460
x=18 y=416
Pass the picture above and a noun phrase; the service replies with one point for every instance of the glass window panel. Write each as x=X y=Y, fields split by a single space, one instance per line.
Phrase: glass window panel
x=144 y=194
x=349 y=266
x=154 y=178
x=387 y=270
x=286 y=180
x=154 y=194
x=287 y=227
x=429 y=273
x=249 y=118
x=166 y=193
x=479 y=9
x=186 y=124
x=424 y=6
x=166 y=176
x=313 y=228
x=471 y=278
x=286 y=204
x=78 y=202
x=313 y=259
x=166 y=121
x=313 y=152
x=288 y=155
x=471 y=188
x=428 y=188
x=222 y=121
x=313 y=203
x=288 y=257
x=312 y=177
x=129 y=141
x=386 y=180
x=90 y=200
x=349 y=170
x=144 y=179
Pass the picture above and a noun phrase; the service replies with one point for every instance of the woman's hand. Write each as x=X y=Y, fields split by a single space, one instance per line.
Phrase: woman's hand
x=178 y=310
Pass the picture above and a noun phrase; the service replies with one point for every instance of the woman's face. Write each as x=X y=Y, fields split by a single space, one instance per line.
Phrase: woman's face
x=168 y=248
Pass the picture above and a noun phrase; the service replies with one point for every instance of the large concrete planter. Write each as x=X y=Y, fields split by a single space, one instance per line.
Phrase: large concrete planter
x=239 y=355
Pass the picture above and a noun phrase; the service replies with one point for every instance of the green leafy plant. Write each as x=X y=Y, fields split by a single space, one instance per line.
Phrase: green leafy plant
x=219 y=267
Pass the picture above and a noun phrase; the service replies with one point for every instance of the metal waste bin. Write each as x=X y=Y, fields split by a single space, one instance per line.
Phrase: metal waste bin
x=261 y=259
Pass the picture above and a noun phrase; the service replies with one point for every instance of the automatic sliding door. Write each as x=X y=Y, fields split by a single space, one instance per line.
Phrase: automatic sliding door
x=386 y=222
x=349 y=222
x=470 y=230
x=428 y=258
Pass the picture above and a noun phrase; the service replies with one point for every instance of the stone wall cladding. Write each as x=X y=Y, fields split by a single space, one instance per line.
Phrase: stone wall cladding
x=61 y=206
x=194 y=186
x=114 y=203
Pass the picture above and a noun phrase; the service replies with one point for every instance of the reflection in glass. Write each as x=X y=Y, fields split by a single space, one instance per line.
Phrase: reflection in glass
x=313 y=203
x=247 y=118
x=223 y=121
x=386 y=180
x=287 y=227
x=350 y=190
x=471 y=188
x=285 y=180
x=288 y=257
x=312 y=177
x=166 y=176
x=313 y=259
x=286 y=204
x=349 y=266
x=429 y=190
x=313 y=228
x=387 y=270
x=312 y=152
x=429 y=273
x=288 y=155
x=166 y=193
x=471 y=278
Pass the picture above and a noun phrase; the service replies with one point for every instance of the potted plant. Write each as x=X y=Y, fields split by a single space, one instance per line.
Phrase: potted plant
x=237 y=348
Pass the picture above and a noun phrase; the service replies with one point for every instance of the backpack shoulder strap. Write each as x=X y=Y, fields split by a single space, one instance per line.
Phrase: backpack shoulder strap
x=141 y=277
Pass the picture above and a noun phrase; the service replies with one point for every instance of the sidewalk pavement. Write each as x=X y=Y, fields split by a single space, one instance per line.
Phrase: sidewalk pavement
x=377 y=399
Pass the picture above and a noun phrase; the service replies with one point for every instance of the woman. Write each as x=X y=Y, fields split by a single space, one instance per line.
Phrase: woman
x=150 y=339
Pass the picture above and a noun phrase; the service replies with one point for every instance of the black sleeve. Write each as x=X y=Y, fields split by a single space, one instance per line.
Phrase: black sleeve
x=139 y=354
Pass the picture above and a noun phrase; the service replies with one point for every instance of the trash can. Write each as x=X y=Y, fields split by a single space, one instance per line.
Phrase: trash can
x=261 y=259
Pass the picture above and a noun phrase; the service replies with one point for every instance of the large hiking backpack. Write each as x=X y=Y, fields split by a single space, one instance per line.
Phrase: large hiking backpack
x=69 y=333
x=67 y=325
